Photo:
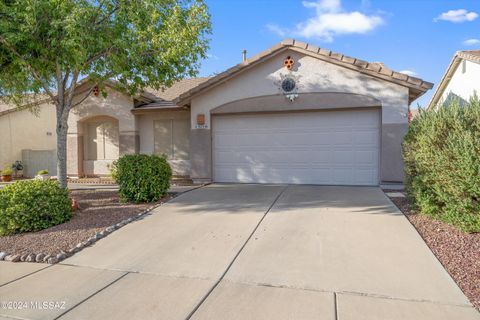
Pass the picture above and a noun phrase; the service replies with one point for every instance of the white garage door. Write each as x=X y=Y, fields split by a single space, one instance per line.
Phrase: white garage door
x=328 y=147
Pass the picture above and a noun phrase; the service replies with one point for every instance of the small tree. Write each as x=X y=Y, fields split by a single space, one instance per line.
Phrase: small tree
x=47 y=47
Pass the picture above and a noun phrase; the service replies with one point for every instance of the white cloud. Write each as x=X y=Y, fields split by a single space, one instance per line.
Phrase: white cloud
x=471 y=42
x=329 y=21
x=276 y=29
x=457 y=16
x=409 y=73
x=212 y=56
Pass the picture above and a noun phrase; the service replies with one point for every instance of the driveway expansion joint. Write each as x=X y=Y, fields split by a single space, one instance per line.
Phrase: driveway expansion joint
x=165 y=275
x=26 y=275
x=90 y=296
x=236 y=255
x=352 y=293
x=335 y=306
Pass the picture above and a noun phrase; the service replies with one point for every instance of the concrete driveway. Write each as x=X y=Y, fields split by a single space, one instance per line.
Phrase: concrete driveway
x=249 y=252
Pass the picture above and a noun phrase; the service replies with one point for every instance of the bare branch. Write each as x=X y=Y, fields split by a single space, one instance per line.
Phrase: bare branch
x=31 y=69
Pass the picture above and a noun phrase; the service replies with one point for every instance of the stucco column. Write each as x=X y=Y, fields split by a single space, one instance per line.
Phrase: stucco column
x=392 y=168
x=201 y=155
x=74 y=154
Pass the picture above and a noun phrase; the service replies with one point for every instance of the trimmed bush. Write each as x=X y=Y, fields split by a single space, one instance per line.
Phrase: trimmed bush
x=442 y=164
x=141 y=177
x=7 y=171
x=33 y=205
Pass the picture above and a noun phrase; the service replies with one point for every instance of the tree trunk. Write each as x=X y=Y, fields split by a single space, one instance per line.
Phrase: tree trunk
x=62 y=129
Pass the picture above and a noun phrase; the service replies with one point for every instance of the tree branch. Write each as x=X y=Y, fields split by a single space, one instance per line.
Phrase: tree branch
x=60 y=84
x=71 y=90
x=84 y=97
x=65 y=78
x=108 y=15
x=31 y=69
x=97 y=56
x=89 y=91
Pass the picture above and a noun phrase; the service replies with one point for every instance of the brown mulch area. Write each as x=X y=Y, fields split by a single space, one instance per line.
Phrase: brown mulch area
x=98 y=210
x=458 y=251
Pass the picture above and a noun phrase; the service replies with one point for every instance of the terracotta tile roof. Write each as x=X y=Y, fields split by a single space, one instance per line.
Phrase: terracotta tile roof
x=178 y=88
x=30 y=101
x=155 y=99
x=163 y=99
x=470 y=55
x=417 y=86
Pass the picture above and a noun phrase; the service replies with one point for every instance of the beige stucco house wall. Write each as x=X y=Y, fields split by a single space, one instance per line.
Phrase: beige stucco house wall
x=149 y=128
x=24 y=130
x=114 y=128
x=321 y=85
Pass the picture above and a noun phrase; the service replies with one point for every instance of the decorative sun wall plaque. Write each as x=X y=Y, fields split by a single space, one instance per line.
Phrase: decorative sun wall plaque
x=288 y=85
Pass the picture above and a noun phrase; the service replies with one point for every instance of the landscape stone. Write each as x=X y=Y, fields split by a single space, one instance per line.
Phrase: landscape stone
x=13 y=258
x=52 y=260
x=30 y=258
x=39 y=257
x=61 y=256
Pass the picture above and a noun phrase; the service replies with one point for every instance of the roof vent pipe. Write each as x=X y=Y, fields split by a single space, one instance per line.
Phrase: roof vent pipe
x=244 y=55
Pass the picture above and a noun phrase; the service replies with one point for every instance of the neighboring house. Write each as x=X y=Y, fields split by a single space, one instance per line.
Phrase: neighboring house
x=294 y=113
x=460 y=81
x=22 y=131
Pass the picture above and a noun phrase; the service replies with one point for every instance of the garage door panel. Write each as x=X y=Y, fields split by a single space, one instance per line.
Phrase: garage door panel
x=369 y=138
x=338 y=147
x=366 y=157
x=365 y=175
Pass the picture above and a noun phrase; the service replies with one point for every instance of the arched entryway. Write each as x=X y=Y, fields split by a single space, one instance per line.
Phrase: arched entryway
x=100 y=144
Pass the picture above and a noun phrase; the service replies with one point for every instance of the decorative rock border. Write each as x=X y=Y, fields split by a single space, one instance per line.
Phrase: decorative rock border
x=52 y=259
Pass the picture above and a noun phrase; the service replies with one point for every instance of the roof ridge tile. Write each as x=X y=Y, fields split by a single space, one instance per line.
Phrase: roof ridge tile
x=370 y=68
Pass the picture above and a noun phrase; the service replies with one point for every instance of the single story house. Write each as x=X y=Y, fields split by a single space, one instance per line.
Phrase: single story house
x=460 y=81
x=295 y=113
x=25 y=134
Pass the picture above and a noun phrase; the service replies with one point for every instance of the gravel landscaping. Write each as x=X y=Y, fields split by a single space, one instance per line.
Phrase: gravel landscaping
x=458 y=251
x=98 y=210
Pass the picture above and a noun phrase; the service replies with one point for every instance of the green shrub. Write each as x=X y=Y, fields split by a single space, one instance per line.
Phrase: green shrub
x=7 y=171
x=33 y=205
x=142 y=178
x=442 y=164
x=44 y=171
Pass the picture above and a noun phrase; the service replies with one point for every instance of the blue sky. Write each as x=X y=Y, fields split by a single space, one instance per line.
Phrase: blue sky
x=414 y=36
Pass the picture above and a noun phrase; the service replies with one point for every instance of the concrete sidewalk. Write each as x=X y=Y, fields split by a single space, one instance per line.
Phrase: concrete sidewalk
x=249 y=252
x=98 y=186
